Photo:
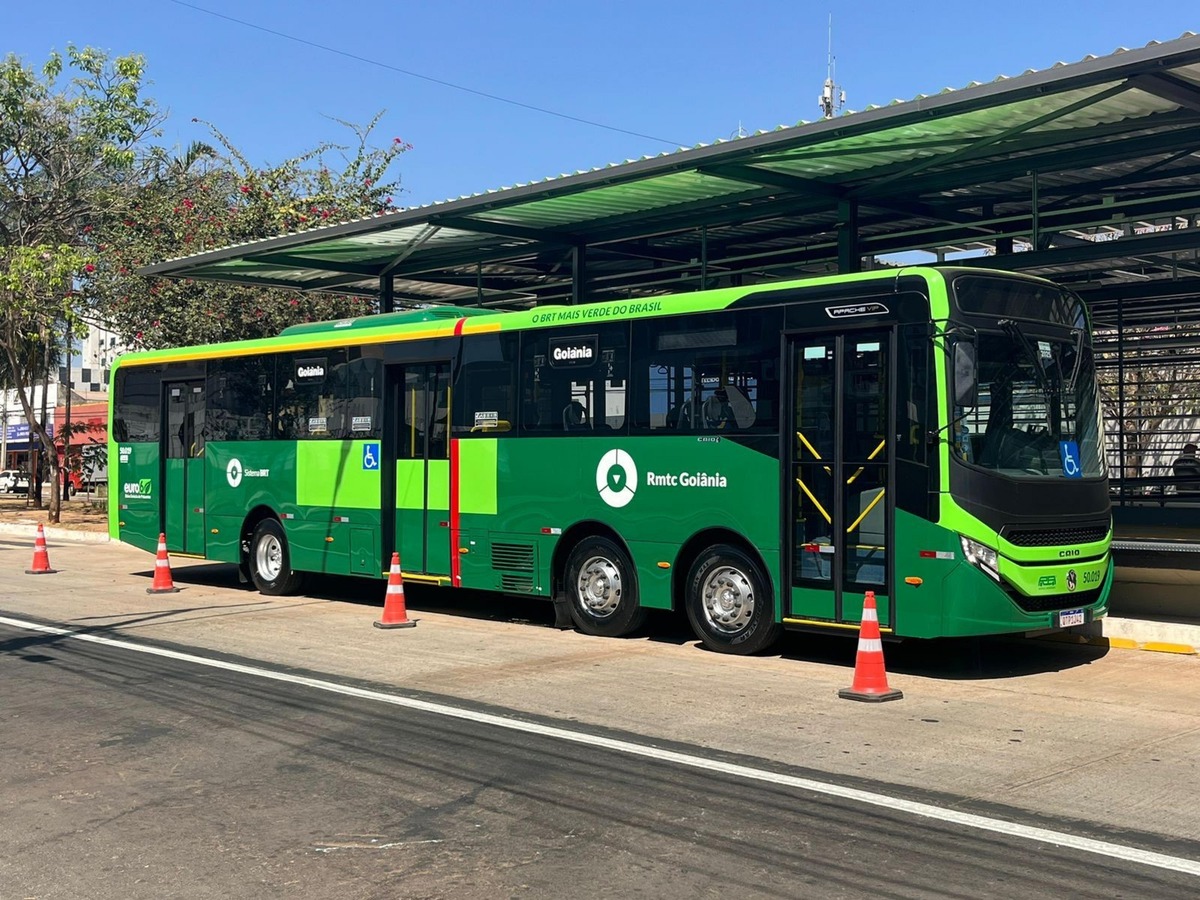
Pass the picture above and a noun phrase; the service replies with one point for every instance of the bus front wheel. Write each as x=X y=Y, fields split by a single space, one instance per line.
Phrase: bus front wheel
x=271 y=561
x=729 y=603
x=602 y=589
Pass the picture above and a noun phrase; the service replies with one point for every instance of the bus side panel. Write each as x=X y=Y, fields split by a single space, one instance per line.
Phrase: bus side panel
x=655 y=492
x=920 y=607
x=137 y=489
x=335 y=498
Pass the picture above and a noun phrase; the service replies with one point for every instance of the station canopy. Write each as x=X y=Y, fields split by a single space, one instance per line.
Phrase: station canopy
x=1087 y=173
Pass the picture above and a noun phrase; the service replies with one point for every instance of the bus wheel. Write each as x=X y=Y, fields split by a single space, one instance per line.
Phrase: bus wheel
x=728 y=602
x=602 y=589
x=270 y=561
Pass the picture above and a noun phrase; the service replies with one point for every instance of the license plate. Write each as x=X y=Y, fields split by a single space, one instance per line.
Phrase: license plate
x=1070 y=617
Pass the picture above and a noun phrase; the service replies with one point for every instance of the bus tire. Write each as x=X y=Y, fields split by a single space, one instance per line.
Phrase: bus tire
x=270 y=560
x=729 y=602
x=601 y=586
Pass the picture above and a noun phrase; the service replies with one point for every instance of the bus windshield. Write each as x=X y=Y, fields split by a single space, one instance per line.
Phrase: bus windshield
x=1035 y=394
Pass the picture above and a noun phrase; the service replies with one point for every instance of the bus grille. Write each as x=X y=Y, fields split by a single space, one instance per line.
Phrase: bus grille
x=1055 y=601
x=1054 y=537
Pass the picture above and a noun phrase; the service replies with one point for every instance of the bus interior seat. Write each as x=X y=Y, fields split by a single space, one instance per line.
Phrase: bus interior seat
x=575 y=417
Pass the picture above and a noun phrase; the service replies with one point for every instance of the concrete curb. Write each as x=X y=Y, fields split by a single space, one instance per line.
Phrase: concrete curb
x=1136 y=634
x=54 y=533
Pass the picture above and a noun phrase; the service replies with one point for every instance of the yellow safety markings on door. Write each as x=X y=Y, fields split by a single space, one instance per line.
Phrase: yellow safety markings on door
x=817 y=503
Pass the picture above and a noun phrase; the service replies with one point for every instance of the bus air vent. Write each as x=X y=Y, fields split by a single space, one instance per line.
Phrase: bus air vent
x=512 y=557
x=518 y=584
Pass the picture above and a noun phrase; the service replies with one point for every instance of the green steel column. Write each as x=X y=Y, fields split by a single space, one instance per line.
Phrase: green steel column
x=578 y=274
x=386 y=299
x=847 y=225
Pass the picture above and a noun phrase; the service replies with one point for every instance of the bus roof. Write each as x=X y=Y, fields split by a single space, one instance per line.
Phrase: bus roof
x=385 y=319
x=442 y=322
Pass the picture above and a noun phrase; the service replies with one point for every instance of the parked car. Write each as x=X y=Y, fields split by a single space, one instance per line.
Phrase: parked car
x=14 y=481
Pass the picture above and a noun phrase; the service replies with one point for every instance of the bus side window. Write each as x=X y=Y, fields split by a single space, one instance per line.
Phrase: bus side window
x=573 y=380
x=485 y=393
x=137 y=397
x=240 y=398
x=707 y=372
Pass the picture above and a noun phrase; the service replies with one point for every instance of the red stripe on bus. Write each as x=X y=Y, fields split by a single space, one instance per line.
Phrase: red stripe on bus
x=455 y=560
x=458 y=327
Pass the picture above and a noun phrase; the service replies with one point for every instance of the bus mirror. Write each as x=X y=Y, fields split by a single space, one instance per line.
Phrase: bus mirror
x=966 y=382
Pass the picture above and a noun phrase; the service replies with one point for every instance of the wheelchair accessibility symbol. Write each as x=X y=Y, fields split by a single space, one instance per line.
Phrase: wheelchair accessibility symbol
x=370 y=457
x=1068 y=452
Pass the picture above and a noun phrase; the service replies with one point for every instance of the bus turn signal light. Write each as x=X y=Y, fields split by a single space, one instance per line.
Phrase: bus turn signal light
x=914 y=581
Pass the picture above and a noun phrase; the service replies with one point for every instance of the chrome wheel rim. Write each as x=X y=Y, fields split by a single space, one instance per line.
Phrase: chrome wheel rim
x=599 y=587
x=268 y=557
x=728 y=597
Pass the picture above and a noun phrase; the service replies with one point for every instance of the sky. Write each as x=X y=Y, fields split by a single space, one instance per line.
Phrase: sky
x=494 y=93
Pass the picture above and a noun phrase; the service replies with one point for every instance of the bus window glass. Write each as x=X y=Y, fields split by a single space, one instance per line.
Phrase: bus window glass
x=573 y=381
x=708 y=373
x=912 y=394
x=357 y=386
x=485 y=395
x=240 y=398
x=310 y=402
x=138 y=397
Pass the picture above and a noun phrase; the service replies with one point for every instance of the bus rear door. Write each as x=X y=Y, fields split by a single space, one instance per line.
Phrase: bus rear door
x=840 y=476
x=422 y=450
x=182 y=503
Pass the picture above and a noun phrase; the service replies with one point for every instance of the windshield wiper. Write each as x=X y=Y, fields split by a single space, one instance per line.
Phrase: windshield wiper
x=1013 y=330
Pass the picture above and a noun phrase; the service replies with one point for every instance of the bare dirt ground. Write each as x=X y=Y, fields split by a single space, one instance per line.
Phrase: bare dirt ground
x=80 y=513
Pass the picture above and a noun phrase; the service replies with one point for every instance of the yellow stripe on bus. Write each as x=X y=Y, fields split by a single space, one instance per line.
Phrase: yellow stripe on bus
x=346 y=338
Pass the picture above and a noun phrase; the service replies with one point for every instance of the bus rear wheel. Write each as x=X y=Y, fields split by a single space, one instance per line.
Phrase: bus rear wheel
x=271 y=561
x=602 y=589
x=729 y=603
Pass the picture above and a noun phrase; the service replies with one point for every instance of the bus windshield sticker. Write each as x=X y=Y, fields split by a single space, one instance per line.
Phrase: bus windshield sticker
x=489 y=417
x=318 y=425
x=856 y=309
x=1068 y=452
x=576 y=352
x=310 y=371
x=360 y=423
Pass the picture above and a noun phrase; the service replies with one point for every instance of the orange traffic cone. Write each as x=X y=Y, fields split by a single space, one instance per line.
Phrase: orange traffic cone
x=41 y=559
x=394 y=614
x=870 y=679
x=162 y=571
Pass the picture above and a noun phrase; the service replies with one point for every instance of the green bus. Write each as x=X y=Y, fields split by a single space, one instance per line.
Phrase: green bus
x=758 y=456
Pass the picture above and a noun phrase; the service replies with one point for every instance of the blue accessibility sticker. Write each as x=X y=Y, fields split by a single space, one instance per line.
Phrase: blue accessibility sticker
x=371 y=456
x=1068 y=452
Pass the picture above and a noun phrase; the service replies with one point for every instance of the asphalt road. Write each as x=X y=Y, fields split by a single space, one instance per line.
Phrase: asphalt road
x=127 y=775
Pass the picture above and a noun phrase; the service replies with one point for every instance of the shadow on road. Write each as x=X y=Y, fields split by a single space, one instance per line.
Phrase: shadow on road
x=955 y=659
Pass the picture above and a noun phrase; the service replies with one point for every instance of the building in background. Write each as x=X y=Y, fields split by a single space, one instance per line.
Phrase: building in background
x=87 y=375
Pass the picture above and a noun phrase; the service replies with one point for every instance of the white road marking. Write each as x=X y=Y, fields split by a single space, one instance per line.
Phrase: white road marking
x=330 y=848
x=688 y=760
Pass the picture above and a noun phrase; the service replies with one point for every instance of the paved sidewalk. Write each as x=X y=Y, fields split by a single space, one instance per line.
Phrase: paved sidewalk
x=1132 y=630
x=1105 y=737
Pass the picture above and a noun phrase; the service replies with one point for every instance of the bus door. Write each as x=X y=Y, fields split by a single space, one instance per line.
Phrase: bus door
x=839 y=478
x=421 y=421
x=182 y=501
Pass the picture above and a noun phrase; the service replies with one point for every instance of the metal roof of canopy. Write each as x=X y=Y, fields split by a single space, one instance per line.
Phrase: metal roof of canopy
x=1092 y=169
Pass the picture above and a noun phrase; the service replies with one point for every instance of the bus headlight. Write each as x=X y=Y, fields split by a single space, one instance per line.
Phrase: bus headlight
x=980 y=556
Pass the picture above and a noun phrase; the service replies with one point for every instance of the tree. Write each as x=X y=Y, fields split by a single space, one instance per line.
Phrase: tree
x=67 y=151
x=209 y=198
